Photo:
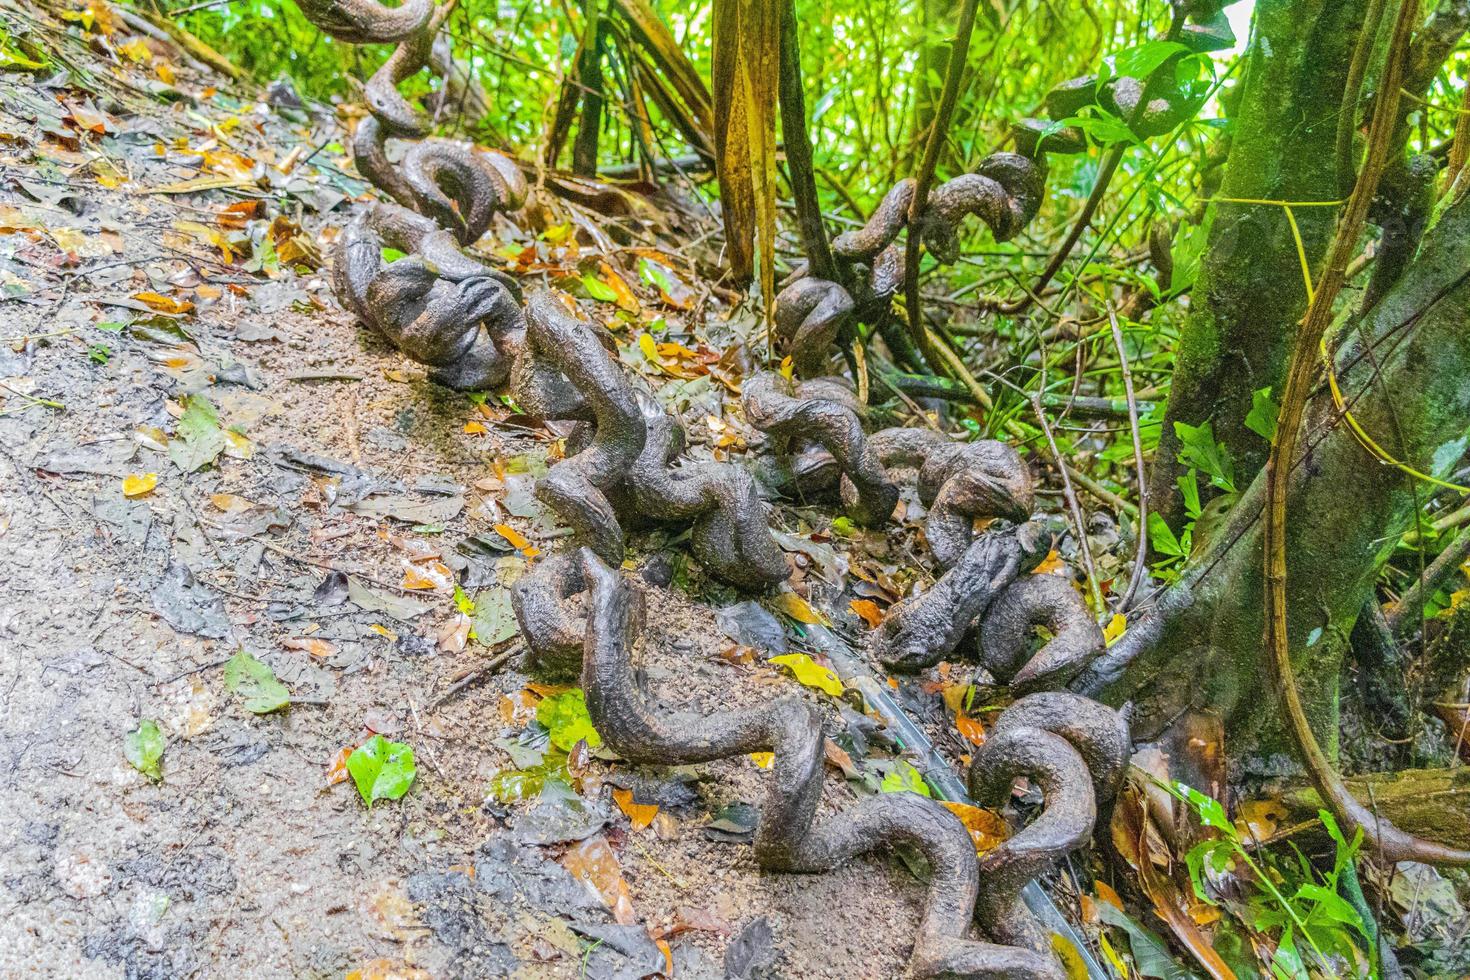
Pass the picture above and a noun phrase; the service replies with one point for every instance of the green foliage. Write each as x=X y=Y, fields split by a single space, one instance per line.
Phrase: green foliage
x=1198 y=448
x=200 y=439
x=256 y=683
x=904 y=778
x=1262 y=417
x=565 y=717
x=514 y=785
x=381 y=770
x=143 y=748
x=1316 y=929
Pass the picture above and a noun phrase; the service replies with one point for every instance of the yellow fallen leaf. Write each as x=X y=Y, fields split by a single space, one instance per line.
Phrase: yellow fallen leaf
x=810 y=673
x=970 y=728
x=799 y=609
x=317 y=647
x=475 y=428
x=137 y=486
x=337 y=770
x=986 y=829
x=382 y=630
x=1051 y=564
x=763 y=759
x=518 y=540
x=136 y=50
x=1115 y=628
x=164 y=304
x=238 y=445
x=640 y=815
x=415 y=579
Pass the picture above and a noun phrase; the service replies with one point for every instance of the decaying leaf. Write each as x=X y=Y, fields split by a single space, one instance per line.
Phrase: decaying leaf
x=143 y=748
x=639 y=815
x=594 y=862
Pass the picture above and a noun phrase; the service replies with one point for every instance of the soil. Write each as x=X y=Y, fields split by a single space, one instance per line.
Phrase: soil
x=118 y=606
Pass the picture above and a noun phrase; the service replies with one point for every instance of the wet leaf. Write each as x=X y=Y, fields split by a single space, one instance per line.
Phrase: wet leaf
x=139 y=485
x=337 y=769
x=970 y=728
x=594 y=862
x=514 y=785
x=200 y=439
x=518 y=540
x=598 y=289
x=640 y=815
x=164 y=304
x=799 y=609
x=986 y=828
x=381 y=770
x=256 y=683
x=868 y=611
x=810 y=673
x=565 y=717
x=493 y=618
x=904 y=778
x=143 y=748
x=763 y=760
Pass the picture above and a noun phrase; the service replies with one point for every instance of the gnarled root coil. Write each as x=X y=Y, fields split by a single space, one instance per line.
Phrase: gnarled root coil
x=809 y=313
x=959 y=482
x=438 y=305
x=588 y=490
x=816 y=412
x=1007 y=629
x=731 y=537
x=789 y=836
x=921 y=629
x=1076 y=751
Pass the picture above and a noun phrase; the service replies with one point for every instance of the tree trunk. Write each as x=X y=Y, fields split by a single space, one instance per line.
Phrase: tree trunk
x=1250 y=292
x=1404 y=368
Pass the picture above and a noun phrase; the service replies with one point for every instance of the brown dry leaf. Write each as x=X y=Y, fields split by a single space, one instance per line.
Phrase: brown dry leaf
x=1258 y=819
x=164 y=304
x=970 y=728
x=640 y=815
x=986 y=829
x=840 y=758
x=239 y=214
x=386 y=969
x=594 y=861
x=337 y=768
x=229 y=503
x=518 y=708
x=317 y=647
x=420 y=577
x=547 y=690
x=610 y=278
x=868 y=610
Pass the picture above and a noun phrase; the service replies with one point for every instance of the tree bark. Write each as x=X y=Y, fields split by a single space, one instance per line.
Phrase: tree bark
x=1200 y=639
x=1250 y=292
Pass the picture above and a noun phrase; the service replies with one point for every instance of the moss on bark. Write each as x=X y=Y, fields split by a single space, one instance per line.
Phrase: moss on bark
x=1250 y=292
x=1405 y=368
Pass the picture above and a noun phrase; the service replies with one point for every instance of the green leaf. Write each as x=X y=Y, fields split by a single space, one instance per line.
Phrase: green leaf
x=1209 y=810
x=144 y=749
x=904 y=778
x=565 y=717
x=463 y=602
x=514 y=785
x=1210 y=855
x=256 y=683
x=494 y=619
x=1143 y=60
x=1261 y=419
x=1151 y=956
x=1198 y=448
x=655 y=275
x=200 y=439
x=111 y=326
x=1188 y=483
x=843 y=527
x=1162 y=538
x=391 y=255
x=598 y=289
x=381 y=770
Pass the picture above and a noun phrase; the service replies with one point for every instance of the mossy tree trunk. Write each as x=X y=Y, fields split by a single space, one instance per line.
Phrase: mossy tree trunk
x=1250 y=293
x=1404 y=370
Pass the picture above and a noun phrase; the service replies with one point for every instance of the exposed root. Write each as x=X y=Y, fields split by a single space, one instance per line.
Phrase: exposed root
x=1051 y=742
x=1006 y=633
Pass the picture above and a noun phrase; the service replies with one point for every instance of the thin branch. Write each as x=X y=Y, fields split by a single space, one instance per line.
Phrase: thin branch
x=1140 y=559
x=1405 y=613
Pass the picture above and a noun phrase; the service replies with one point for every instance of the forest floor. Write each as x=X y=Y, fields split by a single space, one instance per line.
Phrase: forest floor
x=202 y=455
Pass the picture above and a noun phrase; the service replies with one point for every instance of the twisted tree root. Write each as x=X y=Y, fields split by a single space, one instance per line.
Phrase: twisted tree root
x=1076 y=751
x=960 y=483
x=1006 y=630
x=809 y=312
x=920 y=630
x=590 y=489
x=730 y=537
x=790 y=838
x=816 y=411
x=366 y=21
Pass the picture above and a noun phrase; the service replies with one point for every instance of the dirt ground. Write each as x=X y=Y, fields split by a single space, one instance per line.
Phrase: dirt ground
x=341 y=481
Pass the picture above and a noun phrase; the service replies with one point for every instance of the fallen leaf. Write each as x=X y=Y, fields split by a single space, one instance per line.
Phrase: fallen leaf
x=228 y=503
x=1115 y=628
x=640 y=815
x=143 y=748
x=381 y=770
x=565 y=718
x=970 y=728
x=763 y=760
x=518 y=540
x=317 y=647
x=986 y=828
x=799 y=609
x=337 y=770
x=256 y=683
x=810 y=673
x=136 y=485
x=594 y=862
x=1051 y=564
x=164 y=304
x=868 y=611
